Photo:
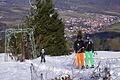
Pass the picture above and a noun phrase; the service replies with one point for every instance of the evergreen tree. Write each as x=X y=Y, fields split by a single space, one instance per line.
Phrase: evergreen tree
x=49 y=29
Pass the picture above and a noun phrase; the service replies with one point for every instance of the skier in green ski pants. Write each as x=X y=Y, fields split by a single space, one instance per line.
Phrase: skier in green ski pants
x=89 y=52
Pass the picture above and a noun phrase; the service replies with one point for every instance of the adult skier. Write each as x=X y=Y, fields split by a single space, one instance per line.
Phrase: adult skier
x=79 y=50
x=89 y=49
x=42 y=54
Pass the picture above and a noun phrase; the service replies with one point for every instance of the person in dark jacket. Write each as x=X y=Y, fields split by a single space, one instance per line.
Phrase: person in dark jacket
x=89 y=49
x=79 y=50
x=42 y=54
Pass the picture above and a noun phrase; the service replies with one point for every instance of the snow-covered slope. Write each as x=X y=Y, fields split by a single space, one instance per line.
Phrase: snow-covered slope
x=107 y=54
x=14 y=71
x=55 y=67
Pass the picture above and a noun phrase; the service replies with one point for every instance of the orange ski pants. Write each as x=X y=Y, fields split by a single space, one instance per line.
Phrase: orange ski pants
x=79 y=59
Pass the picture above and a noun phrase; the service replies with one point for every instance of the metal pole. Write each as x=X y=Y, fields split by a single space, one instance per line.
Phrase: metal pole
x=5 y=56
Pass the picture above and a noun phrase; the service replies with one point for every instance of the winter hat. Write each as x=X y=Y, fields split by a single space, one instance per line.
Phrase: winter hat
x=42 y=50
x=79 y=37
x=80 y=34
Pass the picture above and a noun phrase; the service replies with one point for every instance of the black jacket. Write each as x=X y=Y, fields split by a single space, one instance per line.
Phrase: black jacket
x=79 y=46
x=42 y=54
x=89 y=45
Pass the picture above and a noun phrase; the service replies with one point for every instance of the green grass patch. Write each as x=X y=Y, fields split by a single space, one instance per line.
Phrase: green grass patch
x=114 y=28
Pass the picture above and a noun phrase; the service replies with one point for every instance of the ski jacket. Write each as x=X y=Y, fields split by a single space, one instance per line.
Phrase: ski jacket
x=89 y=45
x=79 y=46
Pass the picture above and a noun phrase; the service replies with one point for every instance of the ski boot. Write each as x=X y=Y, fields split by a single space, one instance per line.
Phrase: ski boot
x=86 y=66
x=92 y=66
x=82 y=67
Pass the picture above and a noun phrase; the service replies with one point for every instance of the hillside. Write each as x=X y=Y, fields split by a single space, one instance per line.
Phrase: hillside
x=99 y=6
x=114 y=28
x=14 y=11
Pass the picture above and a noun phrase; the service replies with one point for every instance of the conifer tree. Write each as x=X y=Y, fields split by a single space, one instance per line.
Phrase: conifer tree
x=49 y=29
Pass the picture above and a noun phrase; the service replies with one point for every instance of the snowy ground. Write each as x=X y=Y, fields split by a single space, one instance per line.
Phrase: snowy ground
x=57 y=67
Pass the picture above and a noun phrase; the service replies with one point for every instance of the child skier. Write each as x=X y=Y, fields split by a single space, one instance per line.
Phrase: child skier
x=42 y=54
x=79 y=50
x=89 y=52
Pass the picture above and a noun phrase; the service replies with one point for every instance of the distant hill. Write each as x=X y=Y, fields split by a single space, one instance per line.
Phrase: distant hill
x=113 y=28
x=14 y=2
x=14 y=11
x=101 y=6
x=107 y=35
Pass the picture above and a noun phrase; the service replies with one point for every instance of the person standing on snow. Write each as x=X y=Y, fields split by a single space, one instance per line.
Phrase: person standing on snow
x=42 y=54
x=89 y=49
x=79 y=50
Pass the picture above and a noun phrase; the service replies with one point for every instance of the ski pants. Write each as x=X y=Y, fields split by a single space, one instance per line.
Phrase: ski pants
x=89 y=55
x=43 y=59
x=79 y=59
